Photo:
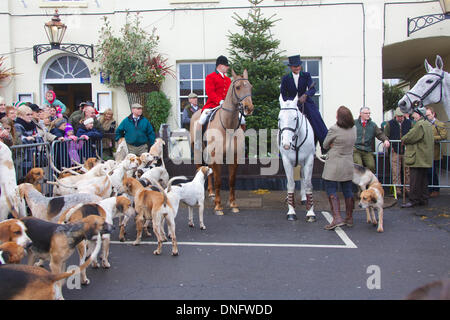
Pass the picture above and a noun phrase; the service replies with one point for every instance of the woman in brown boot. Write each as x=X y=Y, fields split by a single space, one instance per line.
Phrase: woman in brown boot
x=338 y=168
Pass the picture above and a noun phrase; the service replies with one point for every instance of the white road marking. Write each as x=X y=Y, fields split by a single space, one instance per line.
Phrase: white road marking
x=348 y=244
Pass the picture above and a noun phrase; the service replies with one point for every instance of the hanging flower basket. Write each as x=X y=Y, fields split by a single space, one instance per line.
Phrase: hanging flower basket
x=141 y=87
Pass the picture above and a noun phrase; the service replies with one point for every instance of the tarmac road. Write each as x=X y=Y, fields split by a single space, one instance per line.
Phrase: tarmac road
x=258 y=254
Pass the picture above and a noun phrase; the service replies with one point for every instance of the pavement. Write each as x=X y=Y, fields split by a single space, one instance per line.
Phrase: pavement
x=258 y=255
x=437 y=213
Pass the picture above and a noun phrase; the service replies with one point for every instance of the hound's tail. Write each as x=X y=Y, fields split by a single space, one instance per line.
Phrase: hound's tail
x=160 y=188
x=169 y=183
x=60 y=276
x=10 y=202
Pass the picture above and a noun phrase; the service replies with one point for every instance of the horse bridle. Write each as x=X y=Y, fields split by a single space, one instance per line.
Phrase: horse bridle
x=294 y=130
x=416 y=106
x=240 y=105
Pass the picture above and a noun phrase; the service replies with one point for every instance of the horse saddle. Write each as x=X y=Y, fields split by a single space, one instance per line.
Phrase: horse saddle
x=210 y=118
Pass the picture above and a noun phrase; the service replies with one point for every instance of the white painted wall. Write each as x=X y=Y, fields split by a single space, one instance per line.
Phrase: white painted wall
x=347 y=36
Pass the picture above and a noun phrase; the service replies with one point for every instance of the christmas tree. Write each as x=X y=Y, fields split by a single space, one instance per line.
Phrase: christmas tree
x=256 y=50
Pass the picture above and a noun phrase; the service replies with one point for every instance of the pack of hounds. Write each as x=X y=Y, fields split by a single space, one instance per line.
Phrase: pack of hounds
x=79 y=216
x=86 y=199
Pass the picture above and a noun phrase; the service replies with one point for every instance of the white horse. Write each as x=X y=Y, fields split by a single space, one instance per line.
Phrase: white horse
x=433 y=87
x=296 y=143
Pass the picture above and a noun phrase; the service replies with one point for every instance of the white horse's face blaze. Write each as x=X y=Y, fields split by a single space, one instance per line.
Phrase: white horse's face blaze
x=429 y=88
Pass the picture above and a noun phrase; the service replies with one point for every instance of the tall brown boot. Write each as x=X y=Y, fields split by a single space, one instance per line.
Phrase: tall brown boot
x=349 y=206
x=335 y=211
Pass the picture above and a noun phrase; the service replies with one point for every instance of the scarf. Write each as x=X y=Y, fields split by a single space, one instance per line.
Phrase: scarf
x=29 y=126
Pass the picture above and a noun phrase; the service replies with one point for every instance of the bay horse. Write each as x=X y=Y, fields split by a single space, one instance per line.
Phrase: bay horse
x=433 y=87
x=237 y=104
x=297 y=146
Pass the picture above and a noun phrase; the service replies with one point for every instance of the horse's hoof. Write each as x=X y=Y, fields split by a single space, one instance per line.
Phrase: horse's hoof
x=174 y=254
x=218 y=212
x=202 y=228
x=303 y=202
x=85 y=283
x=291 y=217
x=311 y=219
x=106 y=265
x=191 y=225
x=235 y=210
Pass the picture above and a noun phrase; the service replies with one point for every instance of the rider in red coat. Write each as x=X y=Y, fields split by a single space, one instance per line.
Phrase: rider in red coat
x=216 y=85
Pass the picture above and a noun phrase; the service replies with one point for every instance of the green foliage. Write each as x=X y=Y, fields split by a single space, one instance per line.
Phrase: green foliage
x=256 y=50
x=391 y=97
x=131 y=57
x=157 y=109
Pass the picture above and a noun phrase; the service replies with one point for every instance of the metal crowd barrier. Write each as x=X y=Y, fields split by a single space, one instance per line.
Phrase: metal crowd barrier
x=63 y=154
x=385 y=166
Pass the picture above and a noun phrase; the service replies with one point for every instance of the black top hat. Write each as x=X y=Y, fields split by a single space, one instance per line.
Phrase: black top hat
x=295 y=61
x=222 y=60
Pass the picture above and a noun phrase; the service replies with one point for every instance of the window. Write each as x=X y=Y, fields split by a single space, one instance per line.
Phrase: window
x=68 y=67
x=313 y=67
x=191 y=78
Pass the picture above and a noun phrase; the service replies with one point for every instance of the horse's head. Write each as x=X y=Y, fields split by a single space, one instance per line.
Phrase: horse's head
x=288 y=123
x=428 y=89
x=242 y=92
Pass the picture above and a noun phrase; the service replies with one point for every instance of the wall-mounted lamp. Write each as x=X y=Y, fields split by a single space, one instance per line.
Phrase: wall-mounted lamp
x=55 y=31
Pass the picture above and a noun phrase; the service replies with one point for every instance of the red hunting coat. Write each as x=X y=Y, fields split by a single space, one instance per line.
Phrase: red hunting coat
x=216 y=89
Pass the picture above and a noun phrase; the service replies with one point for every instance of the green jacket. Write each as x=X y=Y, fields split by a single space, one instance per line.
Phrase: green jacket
x=138 y=134
x=419 y=144
x=439 y=133
x=365 y=137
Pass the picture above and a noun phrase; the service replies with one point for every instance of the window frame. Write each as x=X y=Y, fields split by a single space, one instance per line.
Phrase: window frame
x=202 y=99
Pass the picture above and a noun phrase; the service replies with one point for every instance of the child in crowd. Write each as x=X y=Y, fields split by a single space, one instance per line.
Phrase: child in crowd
x=61 y=154
x=50 y=99
x=7 y=132
x=88 y=132
x=73 y=145
x=59 y=125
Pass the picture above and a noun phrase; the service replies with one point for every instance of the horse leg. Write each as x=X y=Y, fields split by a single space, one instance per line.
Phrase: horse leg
x=307 y=169
x=217 y=182
x=232 y=181
x=302 y=191
x=289 y=170
x=210 y=186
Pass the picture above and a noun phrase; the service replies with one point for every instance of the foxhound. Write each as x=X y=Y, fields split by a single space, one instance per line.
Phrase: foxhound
x=22 y=282
x=57 y=242
x=50 y=208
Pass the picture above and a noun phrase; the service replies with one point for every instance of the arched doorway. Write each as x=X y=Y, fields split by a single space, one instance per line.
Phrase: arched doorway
x=70 y=78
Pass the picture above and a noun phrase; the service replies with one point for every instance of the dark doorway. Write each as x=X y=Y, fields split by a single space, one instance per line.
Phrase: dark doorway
x=72 y=94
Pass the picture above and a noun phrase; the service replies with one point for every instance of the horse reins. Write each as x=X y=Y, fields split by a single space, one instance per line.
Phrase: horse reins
x=294 y=130
x=427 y=93
x=240 y=106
